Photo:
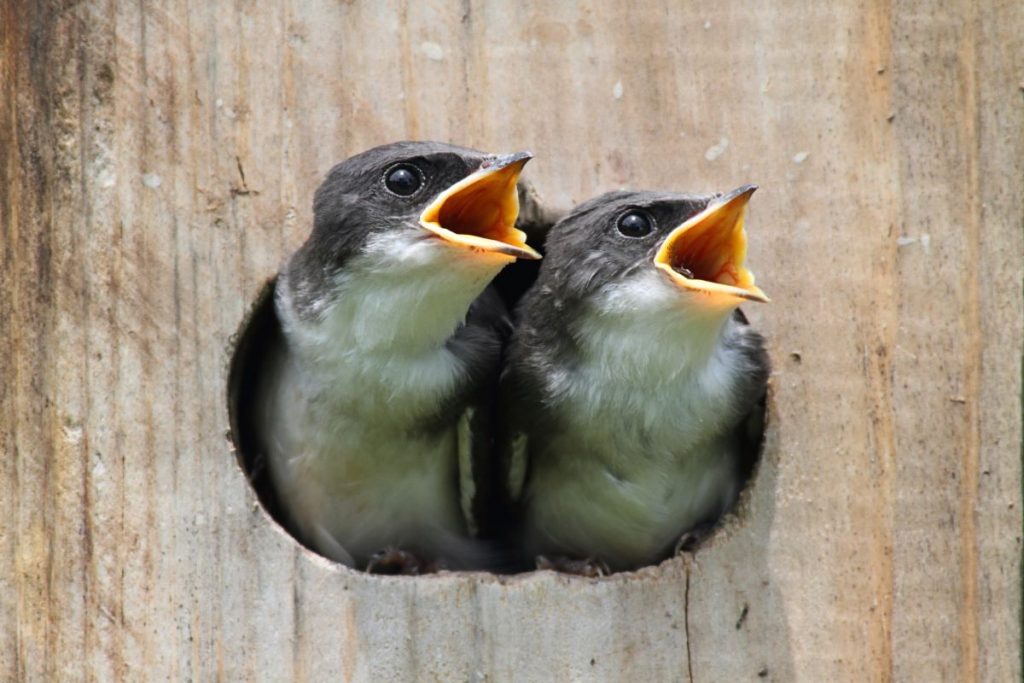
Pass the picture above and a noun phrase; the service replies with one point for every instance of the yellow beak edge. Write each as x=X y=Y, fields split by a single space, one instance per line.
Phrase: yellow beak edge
x=706 y=253
x=479 y=212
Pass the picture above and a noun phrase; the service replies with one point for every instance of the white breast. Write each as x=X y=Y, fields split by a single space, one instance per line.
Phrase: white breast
x=642 y=454
x=650 y=366
x=346 y=453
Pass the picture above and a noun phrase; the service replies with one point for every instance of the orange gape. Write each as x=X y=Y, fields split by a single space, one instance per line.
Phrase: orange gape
x=706 y=253
x=479 y=212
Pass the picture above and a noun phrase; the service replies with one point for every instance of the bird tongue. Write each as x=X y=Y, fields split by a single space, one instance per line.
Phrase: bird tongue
x=479 y=212
x=682 y=270
x=706 y=253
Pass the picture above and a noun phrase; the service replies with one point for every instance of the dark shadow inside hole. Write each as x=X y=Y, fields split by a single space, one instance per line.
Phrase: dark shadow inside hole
x=261 y=330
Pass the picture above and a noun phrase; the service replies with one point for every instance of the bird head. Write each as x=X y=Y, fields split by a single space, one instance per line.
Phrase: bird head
x=696 y=244
x=464 y=199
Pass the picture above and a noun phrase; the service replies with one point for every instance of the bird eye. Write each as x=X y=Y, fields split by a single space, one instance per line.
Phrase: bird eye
x=403 y=180
x=636 y=224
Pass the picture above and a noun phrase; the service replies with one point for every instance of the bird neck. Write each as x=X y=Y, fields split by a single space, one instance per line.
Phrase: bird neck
x=403 y=294
x=644 y=330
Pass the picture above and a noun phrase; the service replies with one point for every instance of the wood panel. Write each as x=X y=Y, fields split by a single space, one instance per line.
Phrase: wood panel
x=158 y=163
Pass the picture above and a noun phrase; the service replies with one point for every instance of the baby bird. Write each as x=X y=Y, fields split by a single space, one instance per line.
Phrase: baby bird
x=382 y=379
x=632 y=380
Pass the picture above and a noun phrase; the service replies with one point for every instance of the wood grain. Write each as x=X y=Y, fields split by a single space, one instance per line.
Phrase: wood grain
x=158 y=163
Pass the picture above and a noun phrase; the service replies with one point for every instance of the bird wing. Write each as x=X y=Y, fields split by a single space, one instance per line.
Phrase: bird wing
x=485 y=333
x=512 y=442
x=751 y=432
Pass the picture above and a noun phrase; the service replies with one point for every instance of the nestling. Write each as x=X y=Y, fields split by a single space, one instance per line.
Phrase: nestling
x=632 y=378
x=382 y=380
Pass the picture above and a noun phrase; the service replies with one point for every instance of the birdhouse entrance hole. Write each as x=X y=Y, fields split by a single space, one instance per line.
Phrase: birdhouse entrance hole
x=261 y=328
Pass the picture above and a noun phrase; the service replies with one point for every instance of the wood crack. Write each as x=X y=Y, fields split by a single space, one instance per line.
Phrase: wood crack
x=686 y=624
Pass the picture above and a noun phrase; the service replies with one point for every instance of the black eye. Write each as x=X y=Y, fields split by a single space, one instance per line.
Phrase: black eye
x=635 y=224
x=403 y=180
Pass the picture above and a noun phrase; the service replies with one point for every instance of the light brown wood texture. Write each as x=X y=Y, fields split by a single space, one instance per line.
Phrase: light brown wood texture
x=157 y=163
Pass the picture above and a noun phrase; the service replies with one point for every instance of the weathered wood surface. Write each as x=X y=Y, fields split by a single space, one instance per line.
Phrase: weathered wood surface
x=158 y=161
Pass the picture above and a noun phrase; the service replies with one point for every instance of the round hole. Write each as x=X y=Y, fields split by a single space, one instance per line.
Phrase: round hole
x=261 y=328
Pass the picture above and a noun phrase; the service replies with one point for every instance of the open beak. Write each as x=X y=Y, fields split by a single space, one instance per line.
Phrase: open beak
x=479 y=212
x=706 y=253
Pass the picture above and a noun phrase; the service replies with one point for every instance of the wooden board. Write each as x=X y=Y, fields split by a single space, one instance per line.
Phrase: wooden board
x=157 y=162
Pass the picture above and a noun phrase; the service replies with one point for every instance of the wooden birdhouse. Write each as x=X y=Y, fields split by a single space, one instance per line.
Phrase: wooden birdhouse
x=158 y=164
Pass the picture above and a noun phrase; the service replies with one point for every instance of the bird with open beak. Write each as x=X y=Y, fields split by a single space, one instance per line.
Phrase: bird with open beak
x=383 y=379
x=631 y=379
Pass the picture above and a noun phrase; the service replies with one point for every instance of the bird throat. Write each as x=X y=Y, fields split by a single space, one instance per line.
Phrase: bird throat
x=641 y=329
x=404 y=293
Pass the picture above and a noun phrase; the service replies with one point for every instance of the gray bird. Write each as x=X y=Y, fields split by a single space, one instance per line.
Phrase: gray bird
x=377 y=389
x=632 y=378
